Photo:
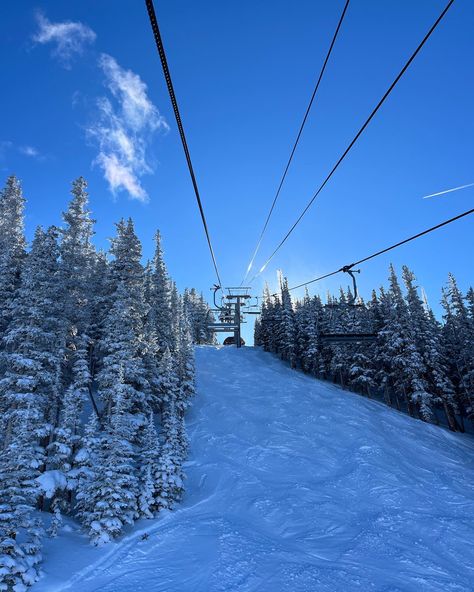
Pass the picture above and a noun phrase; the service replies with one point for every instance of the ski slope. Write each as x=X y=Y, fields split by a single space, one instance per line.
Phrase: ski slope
x=293 y=485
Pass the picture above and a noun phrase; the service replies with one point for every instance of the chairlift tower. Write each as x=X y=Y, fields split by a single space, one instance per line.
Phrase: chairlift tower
x=231 y=311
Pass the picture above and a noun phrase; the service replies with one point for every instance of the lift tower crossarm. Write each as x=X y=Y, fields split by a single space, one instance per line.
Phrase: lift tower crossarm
x=236 y=298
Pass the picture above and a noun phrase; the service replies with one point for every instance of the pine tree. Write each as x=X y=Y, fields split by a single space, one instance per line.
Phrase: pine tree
x=78 y=260
x=122 y=348
x=169 y=478
x=12 y=246
x=150 y=470
x=458 y=334
x=199 y=316
x=161 y=297
x=127 y=270
x=338 y=324
x=405 y=367
x=267 y=320
x=427 y=334
x=314 y=352
x=77 y=279
x=110 y=493
x=185 y=365
x=32 y=360
x=20 y=531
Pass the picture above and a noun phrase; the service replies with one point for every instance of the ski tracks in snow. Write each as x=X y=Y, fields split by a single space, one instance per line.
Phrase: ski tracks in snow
x=295 y=486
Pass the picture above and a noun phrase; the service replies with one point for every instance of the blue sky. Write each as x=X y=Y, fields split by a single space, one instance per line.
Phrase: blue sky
x=83 y=94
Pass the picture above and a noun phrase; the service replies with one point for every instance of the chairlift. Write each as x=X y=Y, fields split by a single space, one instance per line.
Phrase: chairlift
x=254 y=309
x=345 y=337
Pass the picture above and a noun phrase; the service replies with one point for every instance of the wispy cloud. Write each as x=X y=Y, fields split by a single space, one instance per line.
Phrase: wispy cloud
x=126 y=121
x=29 y=151
x=25 y=149
x=68 y=38
x=448 y=190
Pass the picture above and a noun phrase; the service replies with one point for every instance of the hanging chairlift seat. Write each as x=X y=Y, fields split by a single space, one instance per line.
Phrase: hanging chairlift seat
x=349 y=336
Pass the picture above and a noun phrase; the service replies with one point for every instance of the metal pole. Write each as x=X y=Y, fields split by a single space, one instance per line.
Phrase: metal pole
x=237 y=322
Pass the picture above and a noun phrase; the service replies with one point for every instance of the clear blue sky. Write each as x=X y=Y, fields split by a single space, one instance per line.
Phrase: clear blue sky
x=243 y=74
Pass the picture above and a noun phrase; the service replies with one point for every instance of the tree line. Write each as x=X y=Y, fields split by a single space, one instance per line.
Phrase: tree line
x=96 y=374
x=414 y=362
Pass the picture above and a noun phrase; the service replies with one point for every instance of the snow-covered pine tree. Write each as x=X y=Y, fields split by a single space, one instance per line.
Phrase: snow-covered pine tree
x=12 y=246
x=122 y=348
x=150 y=470
x=169 y=478
x=199 y=316
x=33 y=355
x=340 y=322
x=266 y=320
x=406 y=370
x=123 y=390
x=29 y=388
x=177 y=310
x=301 y=317
x=314 y=353
x=109 y=495
x=275 y=324
x=126 y=270
x=257 y=333
x=20 y=531
x=161 y=297
x=427 y=334
x=173 y=440
x=152 y=351
x=85 y=459
x=360 y=367
x=458 y=337
x=78 y=259
x=78 y=264
x=470 y=305
x=185 y=359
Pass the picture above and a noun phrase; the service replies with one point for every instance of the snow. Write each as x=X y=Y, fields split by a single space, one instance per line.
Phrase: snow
x=293 y=485
x=51 y=481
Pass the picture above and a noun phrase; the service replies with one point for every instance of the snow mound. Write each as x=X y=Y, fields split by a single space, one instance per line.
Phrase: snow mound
x=51 y=481
x=293 y=486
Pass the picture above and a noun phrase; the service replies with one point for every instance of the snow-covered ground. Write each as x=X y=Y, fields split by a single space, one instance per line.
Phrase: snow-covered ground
x=293 y=485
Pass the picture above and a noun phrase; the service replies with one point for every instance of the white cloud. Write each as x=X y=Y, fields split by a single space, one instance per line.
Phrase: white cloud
x=68 y=38
x=29 y=151
x=121 y=176
x=126 y=122
x=130 y=90
x=25 y=149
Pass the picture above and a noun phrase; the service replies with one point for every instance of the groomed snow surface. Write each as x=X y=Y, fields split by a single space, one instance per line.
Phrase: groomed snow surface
x=293 y=485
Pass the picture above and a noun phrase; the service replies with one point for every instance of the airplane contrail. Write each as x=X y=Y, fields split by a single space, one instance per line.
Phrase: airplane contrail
x=448 y=190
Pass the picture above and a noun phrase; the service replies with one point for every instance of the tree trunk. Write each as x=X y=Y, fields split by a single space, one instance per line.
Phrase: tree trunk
x=451 y=419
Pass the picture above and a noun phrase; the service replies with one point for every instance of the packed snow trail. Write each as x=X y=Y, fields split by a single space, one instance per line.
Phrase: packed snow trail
x=293 y=485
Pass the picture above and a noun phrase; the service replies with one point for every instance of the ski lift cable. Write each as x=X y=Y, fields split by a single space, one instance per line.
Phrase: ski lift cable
x=356 y=137
x=347 y=268
x=308 y=109
x=174 y=102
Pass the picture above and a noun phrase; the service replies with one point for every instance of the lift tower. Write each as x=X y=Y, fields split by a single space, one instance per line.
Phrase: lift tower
x=231 y=311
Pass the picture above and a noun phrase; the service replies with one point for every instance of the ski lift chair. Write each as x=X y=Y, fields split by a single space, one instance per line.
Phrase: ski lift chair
x=345 y=337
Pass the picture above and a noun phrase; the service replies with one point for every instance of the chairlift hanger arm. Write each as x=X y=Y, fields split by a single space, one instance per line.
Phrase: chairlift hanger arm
x=215 y=289
x=351 y=272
